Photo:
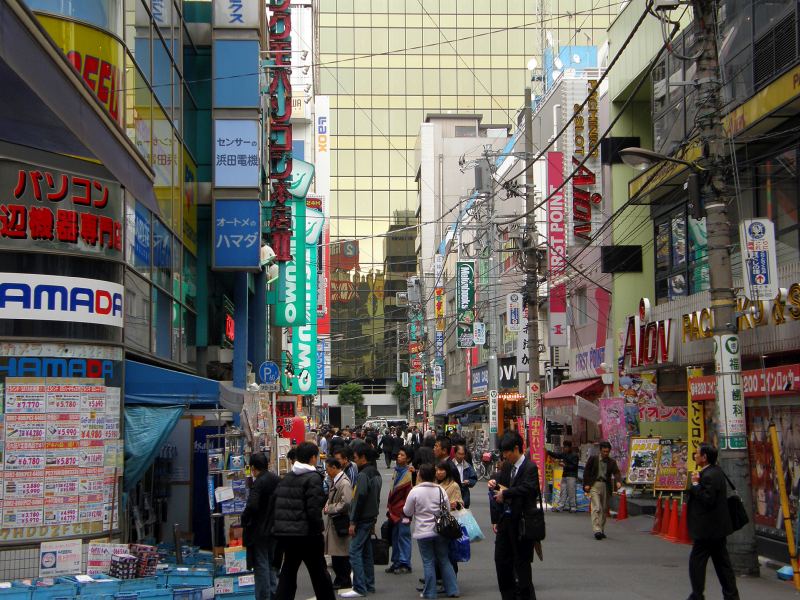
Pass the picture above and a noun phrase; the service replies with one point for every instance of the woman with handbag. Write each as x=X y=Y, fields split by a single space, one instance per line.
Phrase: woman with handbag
x=428 y=505
x=446 y=477
x=337 y=538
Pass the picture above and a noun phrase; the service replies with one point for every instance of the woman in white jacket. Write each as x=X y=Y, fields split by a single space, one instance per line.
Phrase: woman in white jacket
x=423 y=504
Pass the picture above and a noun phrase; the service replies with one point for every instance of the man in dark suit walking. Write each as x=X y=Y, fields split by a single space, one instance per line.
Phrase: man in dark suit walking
x=517 y=486
x=597 y=476
x=709 y=525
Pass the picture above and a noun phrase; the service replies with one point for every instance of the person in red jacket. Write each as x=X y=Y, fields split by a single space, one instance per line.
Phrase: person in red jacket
x=401 y=532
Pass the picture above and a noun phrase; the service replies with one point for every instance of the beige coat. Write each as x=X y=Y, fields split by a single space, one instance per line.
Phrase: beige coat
x=339 y=498
x=453 y=493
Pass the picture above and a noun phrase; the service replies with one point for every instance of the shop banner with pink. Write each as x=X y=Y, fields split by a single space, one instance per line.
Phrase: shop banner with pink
x=612 y=421
x=538 y=453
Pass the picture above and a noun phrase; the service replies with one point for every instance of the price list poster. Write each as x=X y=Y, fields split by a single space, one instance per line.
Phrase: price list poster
x=60 y=441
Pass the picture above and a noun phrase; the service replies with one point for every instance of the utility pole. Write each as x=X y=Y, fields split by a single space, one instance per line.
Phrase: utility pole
x=535 y=406
x=491 y=326
x=733 y=457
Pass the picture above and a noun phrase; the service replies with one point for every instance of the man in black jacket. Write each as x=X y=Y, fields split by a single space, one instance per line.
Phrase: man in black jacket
x=256 y=523
x=567 y=499
x=709 y=525
x=597 y=476
x=517 y=486
x=298 y=525
x=363 y=515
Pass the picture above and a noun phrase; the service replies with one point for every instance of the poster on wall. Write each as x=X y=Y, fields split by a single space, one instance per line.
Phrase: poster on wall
x=612 y=421
x=643 y=461
x=62 y=455
x=672 y=473
x=60 y=558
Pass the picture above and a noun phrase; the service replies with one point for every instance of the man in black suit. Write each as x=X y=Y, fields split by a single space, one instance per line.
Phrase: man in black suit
x=709 y=525
x=513 y=554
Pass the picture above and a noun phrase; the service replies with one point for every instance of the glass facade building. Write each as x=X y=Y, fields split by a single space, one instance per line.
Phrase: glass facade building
x=386 y=64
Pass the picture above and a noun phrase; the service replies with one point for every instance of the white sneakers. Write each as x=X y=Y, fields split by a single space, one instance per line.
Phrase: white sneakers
x=351 y=594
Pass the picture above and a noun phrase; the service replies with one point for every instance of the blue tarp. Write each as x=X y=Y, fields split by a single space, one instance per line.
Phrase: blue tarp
x=146 y=430
x=154 y=386
x=467 y=406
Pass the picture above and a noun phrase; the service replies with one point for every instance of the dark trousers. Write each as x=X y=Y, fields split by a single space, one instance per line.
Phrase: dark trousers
x=387 y=456
x=512 y=561
x=717 y=551
x=308 y=549
x=341 y=571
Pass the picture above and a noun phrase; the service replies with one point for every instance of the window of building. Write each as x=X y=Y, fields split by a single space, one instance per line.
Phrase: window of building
x=681 y=255
x=465 y=131
x=580 y=309
x=777 y=199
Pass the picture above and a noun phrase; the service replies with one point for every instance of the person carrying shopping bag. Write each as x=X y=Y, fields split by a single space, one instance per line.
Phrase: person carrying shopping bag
x=337 y=535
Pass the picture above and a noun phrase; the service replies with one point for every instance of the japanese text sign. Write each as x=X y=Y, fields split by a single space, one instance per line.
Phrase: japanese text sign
x=694 y=421
x=237 y=234
x=236 y=14
x=465 y=302
x=759 y=259
x=538 y=453
x=44 y=209
x=557 y=250
x=237 y=152
x=730 y=399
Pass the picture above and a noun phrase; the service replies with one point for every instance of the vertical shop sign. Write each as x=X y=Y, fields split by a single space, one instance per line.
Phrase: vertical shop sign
x=514 y=311
x=237 y=235
x=322 y=186
x=280 y=151
x=730 y=399
x=465 y=302
x=557 y=251
x=237 y=152
x=759 y=259
x=615 y=431
x=290 y=306
x=538 y=454
x=694 y=420
x=586 y=199
x=236 y=14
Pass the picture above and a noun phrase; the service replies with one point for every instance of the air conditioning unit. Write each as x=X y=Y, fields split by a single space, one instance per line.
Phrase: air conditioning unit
x=560 y=357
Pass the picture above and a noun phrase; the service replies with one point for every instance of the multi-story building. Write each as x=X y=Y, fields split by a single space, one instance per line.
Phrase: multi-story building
x=386 y=64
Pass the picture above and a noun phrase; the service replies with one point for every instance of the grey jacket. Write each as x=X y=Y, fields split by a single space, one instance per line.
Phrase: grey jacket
x=366 y=495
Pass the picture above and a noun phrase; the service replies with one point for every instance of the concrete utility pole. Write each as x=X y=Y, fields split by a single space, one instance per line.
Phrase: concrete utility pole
x=733 y=457
x=535 y=406
x=491 y=326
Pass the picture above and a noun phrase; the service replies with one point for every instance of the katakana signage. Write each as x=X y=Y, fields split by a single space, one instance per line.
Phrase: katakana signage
x=50 y=210
x=730 y=399
x=759 y=259
x=237 y=235
x=237 y=151
x=236 y=14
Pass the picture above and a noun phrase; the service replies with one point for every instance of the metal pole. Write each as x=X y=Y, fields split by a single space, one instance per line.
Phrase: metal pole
x=491 y=326
x=731 y=423
x=535 y=407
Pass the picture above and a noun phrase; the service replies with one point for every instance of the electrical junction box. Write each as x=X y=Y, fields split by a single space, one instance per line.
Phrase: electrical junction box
x=666 y=4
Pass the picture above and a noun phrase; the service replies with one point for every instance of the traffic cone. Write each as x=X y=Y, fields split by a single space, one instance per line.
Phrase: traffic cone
x=665 y=519
x=657 y=523
x=674 y=519
x=683 y=534
x=622 y=511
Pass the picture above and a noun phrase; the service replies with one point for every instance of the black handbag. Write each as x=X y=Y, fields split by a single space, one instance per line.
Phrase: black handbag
x=531 y=525
x=341 y=524
x=736 y=509
x=380 y=551
x=446 y=524
x=386 y=530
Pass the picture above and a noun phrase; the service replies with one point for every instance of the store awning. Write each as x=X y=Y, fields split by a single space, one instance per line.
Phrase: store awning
x=461 y=408
x=44 y=103
x=150 y=385
x=570 y=389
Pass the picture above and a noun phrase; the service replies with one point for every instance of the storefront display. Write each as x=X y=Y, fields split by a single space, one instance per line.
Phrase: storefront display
x=672 y=471
x=643 y=462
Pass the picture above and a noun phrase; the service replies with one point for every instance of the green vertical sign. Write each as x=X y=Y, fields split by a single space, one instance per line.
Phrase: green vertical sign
x=465 y=302
x=291 y=299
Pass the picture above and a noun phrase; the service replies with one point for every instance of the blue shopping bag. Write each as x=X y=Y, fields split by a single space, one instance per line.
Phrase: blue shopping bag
x=459 y=549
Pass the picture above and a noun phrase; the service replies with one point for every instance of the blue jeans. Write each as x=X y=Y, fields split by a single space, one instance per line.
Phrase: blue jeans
x=435 y=551
x=361 y=559
x=266 y=579
x=401 y=545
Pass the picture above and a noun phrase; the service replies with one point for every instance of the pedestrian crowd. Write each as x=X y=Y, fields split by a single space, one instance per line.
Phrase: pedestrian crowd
x=331 y=508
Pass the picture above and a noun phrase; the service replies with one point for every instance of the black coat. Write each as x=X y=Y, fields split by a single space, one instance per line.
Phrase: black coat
x=299 y=500
x=522 y=493
x=708 y=517
x=257 y=515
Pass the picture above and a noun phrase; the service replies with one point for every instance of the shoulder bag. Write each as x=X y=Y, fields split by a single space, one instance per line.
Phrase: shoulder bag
x=736 y=509
x=531 y=525
x=446 y=524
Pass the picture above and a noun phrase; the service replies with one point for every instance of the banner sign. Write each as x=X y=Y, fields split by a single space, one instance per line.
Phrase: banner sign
x=44 y=209
x=672 y=473
x=695 y=420
x=778 y=381
x=480 y=381
x=236 y=14
x=759 y=259
x=280 y=135
x=291 y=298
x=237 y=235
x=523 y=358
x=730 y=399
x=237 y=152
x=465 y=302
x=514 y=311
x=557 y=251
x=55 y=298
x=322 y=186
x=615 y=431
x=538 y=453
x=643 y=462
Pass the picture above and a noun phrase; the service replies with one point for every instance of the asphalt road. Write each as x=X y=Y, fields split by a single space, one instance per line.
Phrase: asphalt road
x=629 y=564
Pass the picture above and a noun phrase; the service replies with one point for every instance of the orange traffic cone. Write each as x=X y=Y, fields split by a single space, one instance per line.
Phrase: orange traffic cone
x=622 y=511
x=665 y=519
x=674 y=519
x=683 y=534
x=657 y=523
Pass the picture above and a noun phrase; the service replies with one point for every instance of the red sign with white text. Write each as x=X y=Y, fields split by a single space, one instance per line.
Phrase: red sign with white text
x=780 y=381
x=557 y=250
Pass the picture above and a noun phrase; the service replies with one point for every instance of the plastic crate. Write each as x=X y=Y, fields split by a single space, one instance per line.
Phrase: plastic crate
x=15 y=593
x=149 y=594
x=101 y=585
x=182 y=577
x=39 y=590
x=187 y=594
x=140 y=583
x=241 y=595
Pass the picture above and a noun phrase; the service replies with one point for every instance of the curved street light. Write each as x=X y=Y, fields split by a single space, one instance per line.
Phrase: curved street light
x=642 y=159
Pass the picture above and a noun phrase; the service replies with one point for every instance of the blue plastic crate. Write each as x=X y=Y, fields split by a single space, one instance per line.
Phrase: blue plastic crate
x=181 y=577
x=15 y=593
x=101 y=585
x=187 y=594
x=241 y=595
x=57 y=590
x=148 y=594
x=140 y=583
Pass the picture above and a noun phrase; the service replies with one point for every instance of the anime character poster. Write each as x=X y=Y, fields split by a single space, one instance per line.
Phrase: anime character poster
x=612 y=420
x=672 y=473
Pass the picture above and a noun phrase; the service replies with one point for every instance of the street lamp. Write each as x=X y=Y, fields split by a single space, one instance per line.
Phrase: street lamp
x=641 y=159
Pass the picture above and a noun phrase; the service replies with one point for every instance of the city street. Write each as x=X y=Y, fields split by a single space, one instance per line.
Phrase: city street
x=629 y=564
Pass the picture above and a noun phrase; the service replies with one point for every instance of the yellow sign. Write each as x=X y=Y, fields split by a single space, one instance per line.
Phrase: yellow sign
x=96 y=55
x=189 y=203
x=694 y=421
